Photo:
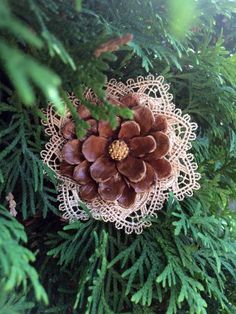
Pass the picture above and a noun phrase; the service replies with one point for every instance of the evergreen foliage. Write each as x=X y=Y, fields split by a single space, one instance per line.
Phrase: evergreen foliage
x=15 y=259
x=186 y=261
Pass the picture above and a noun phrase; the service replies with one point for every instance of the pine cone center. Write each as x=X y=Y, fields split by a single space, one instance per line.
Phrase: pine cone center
x=118 y=150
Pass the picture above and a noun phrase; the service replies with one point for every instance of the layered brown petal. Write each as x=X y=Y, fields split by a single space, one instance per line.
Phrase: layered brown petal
x=141 y=145
x=127 y=198
x=105 y=129
x=81 y=173
x=94 y=147
x=68 y=130
x=71 y=152
x=92 y=129
x=112 y=188
x=162 y=168
x=146 y=183
x=66 y=169
x=88 y=192
x=144 y=117
x=102 y=169
x=132 y=168
x=93 y=126
x=162 y=146
x=160 y=124
x=129 y=129
x=129 y=100
x=83 y=112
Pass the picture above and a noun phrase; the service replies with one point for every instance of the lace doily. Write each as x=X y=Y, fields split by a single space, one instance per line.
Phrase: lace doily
x=153 y=93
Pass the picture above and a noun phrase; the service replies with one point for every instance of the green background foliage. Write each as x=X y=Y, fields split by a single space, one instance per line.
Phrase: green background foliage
x=185 y=262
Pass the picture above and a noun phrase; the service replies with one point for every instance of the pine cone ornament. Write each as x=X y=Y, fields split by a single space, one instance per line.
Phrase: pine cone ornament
x=115 y=165
x=125 y=174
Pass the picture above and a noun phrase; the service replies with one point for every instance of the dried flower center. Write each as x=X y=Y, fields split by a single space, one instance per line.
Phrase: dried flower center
x=118 y=150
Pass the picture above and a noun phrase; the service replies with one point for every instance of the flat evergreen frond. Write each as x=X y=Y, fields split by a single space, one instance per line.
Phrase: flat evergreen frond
x=94 y=250
x=9 y=23
x=11 y=303
x=158 y=260
x=15 y=268
x=29 y=71
x=72 y=244
x=22 y=169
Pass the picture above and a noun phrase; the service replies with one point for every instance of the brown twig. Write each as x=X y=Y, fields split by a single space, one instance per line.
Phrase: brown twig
x=113 y=44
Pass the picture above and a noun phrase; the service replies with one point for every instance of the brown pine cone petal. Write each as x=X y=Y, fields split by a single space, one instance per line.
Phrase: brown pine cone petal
x=127 y=198
x=81 y=173
x=93 y=126
x=129 y=100
x=162 y=146
x=83 y=112
x=94 y=147
x=102 y=169
x=71 y=152
x=141 y=145
x=112 y=188
x=162 y=168
x=160 y=124
x=66 y=169
x=92 y=129
x=145 y=184
x=132 y=168
x=144 y=117
x=129 y=129
x=68 y=130
x=105 y=129
x=88 y=192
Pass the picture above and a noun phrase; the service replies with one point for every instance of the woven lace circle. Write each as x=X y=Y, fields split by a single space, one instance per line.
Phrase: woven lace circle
x=152 y=92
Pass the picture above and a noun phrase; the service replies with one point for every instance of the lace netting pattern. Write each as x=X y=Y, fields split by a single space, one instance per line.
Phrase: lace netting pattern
x=152 y=92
